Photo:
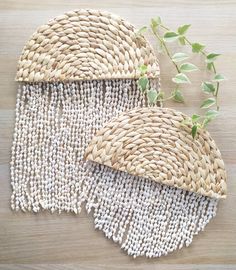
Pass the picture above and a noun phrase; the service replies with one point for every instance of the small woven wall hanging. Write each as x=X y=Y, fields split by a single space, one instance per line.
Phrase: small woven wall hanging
x=152 y=186
x=75 y=73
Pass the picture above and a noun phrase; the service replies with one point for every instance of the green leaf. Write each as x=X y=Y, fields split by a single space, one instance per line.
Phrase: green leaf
x=170 y=36
x=211 y=114
x=178 y=96
x=155 y=22
x=143 y=69
x=208 y=87
x=160 y=95
x=205 y=122
x=178 y=57
x=194 y=131
x=142 y=30
x=188 y=67
x=158 y=20
x=182 y=40
x=219 y=78
x=152 y=96
x=195 y=118
x=211 y=57
x=197 y=47
x=186 y=121
x=209 y=66
x=208 y=103
x=183 y=29
x=181 y=78
x=143 y=83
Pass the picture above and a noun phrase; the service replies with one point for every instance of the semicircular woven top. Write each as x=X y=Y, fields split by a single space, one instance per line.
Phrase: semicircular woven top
x=152 y=143
x=84 y=45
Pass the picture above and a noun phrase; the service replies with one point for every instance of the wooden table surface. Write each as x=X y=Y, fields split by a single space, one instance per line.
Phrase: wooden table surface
x=44 y=240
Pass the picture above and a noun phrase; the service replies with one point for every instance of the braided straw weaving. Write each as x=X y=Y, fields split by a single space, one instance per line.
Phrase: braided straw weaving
x=155 y=187
x=77 y=72
x=150 y=142
x=85 y=45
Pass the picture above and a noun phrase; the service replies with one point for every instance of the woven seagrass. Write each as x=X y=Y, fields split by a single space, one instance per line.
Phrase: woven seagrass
x=152 y=143
x=85 y=45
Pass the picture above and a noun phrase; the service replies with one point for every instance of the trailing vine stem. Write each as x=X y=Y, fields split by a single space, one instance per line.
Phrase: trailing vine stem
x=211 y=88
x=215 y=72
x=202 y=52
x=166 y=49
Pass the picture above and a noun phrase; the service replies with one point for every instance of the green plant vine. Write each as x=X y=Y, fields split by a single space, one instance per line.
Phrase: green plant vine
x=182 y=67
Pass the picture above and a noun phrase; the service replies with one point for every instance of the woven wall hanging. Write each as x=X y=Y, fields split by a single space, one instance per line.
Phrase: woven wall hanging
x=77 y=72
x=83 y=133
x=155 y=187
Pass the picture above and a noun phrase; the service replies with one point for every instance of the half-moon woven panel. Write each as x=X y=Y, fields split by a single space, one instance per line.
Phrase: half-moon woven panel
x=76 y=73
x=85 y=45
x=152 y=143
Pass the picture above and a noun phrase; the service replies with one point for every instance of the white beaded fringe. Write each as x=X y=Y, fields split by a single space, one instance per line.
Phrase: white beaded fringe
x=144 y=217
x=54 y=124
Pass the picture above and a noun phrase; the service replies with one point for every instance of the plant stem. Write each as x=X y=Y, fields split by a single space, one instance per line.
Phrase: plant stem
x=169 y=55
x=203 y=53
x=215 y=72
x=166 y=49
x=168 y=98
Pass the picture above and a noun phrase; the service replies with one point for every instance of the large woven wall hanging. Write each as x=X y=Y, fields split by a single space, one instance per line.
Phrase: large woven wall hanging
x=154 y=187
x=76 y=72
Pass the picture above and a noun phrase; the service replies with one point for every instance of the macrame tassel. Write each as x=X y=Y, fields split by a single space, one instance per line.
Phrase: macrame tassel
x=54 y=124
x=144 y=217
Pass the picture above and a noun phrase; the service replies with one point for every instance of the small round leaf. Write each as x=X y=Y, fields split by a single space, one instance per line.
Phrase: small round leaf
x=170 y=36
x=183 y=29
x=181 y=78
x=219 y=78
x=212 y=57
x=143 y=83
x=195 y=118
x=188 y=67
x=178 y=96
x=194 y=131
x=197 y=47
x=152 y=96
x=178 y=57
x=208 y=103
x=208 y=87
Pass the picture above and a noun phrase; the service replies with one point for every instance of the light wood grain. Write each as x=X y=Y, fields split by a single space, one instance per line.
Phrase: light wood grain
x=44 y=240
x=116 y=267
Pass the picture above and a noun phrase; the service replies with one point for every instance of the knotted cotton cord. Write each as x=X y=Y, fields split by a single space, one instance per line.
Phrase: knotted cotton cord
x=145 y=217
x=54 y=124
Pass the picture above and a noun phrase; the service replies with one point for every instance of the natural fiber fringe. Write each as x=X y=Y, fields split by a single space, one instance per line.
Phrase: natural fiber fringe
x=54 y=124
x=145 y=217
